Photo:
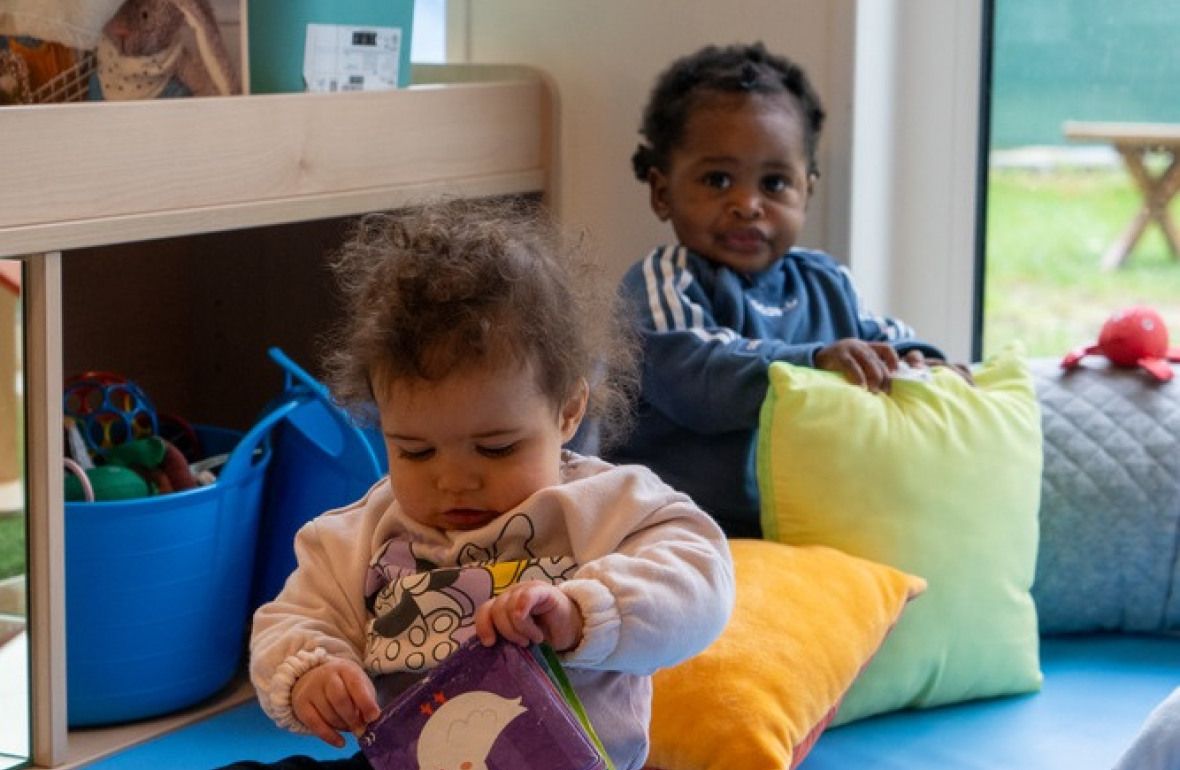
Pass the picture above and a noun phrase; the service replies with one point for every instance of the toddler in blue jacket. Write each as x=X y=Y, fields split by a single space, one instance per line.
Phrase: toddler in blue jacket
x=729 y=155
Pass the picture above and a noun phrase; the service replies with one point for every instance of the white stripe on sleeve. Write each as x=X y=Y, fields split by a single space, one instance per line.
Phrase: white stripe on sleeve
x=668 y=271
x=653 y=296
x=667 y=274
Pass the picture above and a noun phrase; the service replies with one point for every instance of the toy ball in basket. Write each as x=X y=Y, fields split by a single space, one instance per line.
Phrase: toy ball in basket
x=114 y=446
x=158 y=587
x=110 y=409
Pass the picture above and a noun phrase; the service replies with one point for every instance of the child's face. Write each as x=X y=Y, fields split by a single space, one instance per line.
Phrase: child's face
x=469 y=447
x=737 y=186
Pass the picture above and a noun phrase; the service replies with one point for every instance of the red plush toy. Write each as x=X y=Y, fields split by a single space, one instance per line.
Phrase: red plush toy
x=1135 y=336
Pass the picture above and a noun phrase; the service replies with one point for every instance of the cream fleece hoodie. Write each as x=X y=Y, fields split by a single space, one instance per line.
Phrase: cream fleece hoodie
x=649 y=570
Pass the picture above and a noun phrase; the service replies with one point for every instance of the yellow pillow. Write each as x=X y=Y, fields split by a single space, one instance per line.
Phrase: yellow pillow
x=805 y=622
x=940 y=479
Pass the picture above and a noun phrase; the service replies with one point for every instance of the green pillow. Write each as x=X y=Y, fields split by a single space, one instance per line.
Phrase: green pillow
x=939 y=479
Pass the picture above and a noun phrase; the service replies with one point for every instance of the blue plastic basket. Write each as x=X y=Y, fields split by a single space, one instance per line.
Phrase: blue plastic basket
x=322 y=460
x=157 y=588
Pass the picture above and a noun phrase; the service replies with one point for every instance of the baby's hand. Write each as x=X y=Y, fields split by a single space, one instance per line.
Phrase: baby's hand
x=915 y=359
x=531 y=612
x=867 y=364
x=335 y=696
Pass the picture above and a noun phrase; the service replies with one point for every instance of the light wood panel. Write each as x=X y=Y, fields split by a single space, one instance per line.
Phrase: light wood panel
x=121 y=171
x=47 y=542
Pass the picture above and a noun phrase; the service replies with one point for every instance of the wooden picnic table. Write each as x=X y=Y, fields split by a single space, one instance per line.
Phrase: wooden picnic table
x=1134 y=142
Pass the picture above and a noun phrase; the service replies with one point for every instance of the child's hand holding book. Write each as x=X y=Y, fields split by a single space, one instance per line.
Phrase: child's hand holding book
x=531 y=613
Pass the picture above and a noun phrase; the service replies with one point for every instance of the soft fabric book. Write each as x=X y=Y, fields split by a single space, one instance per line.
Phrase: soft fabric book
x=503 y=707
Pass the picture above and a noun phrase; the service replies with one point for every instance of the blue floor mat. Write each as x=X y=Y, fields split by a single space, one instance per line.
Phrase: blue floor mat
x=1097 y=692
x=242 y=732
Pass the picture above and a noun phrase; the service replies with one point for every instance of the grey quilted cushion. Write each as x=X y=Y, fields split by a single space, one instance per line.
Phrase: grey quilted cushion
x=1110 y=500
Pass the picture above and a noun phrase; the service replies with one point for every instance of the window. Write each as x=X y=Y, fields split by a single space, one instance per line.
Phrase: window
x=428 y=43
x=1056 y=205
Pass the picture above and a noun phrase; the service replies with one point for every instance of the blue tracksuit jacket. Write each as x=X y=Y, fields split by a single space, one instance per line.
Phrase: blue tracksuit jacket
x=709 y=336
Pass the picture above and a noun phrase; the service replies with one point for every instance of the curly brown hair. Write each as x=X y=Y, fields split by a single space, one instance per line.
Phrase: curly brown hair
x=457 y=283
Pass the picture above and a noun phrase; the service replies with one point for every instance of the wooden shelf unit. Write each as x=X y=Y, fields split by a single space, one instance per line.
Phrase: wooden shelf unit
x=107 y=203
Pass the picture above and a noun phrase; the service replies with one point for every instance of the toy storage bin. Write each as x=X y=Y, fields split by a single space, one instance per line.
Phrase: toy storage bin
x=321 y=461
x=157 y=588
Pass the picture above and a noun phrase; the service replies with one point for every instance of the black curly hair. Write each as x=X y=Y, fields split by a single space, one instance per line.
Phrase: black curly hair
x=738 y=68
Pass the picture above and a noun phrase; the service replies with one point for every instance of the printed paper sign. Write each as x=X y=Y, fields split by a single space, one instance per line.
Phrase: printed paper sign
x=339 y=57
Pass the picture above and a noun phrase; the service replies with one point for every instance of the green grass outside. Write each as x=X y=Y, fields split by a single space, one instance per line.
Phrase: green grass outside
x=12 y=525
x=12 y=546
x=1046 y=233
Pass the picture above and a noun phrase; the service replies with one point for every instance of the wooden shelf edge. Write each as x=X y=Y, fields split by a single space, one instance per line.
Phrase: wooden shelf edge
x=135 y=162
x=64 y=235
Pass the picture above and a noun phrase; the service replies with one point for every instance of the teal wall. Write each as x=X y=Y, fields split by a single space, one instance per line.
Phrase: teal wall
x=1057 y=60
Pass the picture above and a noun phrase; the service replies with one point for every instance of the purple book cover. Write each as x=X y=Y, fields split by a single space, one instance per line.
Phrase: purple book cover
x=483 y=708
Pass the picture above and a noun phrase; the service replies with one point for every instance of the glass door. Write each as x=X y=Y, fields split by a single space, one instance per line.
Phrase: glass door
x=14 y=648
x=1084 y=134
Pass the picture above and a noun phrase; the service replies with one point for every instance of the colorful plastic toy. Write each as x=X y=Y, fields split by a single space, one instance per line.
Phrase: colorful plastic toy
x=106 y=482
x=160 y=463
x=110 y=410
x=1134 y=336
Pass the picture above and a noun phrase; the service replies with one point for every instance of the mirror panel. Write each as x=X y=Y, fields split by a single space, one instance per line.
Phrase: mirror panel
x=14 y=652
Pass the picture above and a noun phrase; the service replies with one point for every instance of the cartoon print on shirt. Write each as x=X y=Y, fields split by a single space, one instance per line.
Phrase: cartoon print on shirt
x=512 y=559
x=422 y=613
x=419 y=617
